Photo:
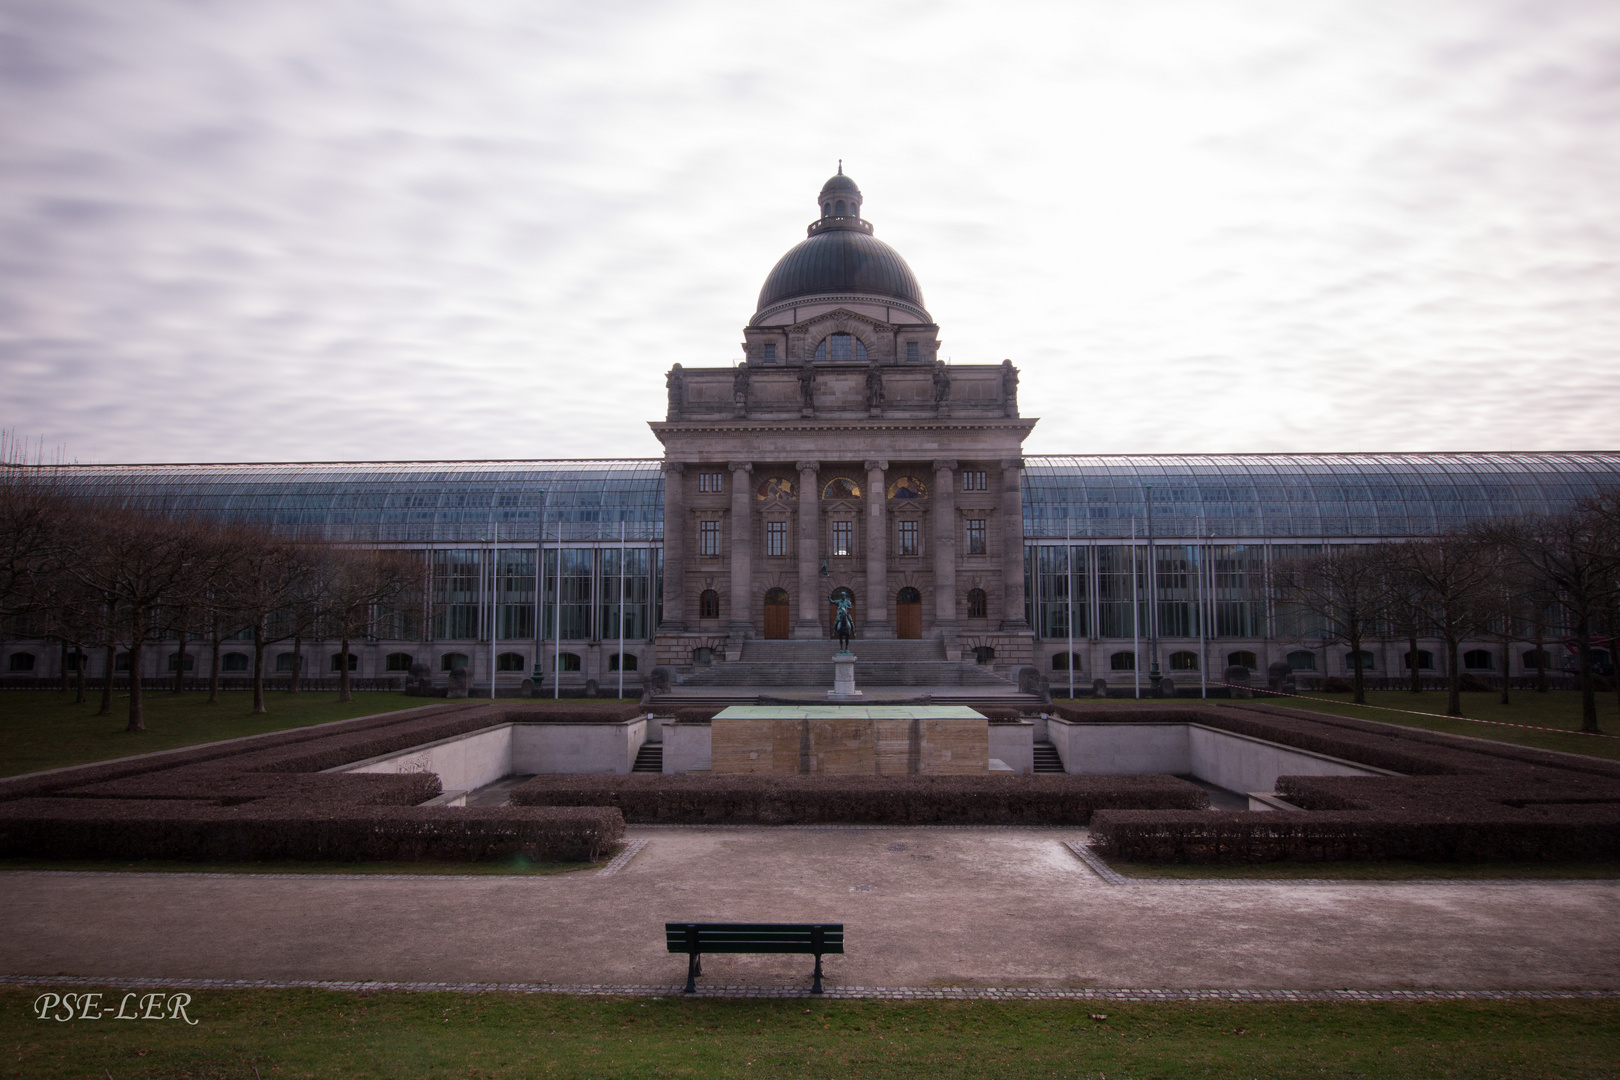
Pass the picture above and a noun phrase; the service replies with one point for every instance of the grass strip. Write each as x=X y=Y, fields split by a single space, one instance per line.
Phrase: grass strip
x=305 y=1033
x=44 y=729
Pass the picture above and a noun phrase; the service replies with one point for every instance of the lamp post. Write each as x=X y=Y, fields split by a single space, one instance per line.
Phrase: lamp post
x=1155 y=677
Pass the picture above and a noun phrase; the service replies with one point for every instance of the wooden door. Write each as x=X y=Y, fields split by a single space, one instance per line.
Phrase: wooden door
x=908 y=614
x=776 y=614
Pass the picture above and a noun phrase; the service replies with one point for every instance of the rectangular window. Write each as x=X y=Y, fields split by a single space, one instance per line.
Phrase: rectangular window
x=911 y=352
x=843 y=537
x=708 y=538
x=974 y=481
x=975 y=536
x=776 y=538
x=768 y=354
x=908 y=538
x=710 y=481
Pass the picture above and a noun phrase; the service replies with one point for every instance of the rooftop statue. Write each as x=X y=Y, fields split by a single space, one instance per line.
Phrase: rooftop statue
x=942 y=382
x=874 y=387
x=1009 y=387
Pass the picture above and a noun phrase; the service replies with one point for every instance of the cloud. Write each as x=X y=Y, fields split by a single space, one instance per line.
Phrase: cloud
x=401 y=230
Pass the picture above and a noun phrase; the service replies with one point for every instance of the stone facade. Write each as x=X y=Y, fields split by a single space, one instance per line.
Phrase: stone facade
x=844 y=457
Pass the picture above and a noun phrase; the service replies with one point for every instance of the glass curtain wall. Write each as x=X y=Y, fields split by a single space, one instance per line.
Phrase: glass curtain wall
x=1177 y=589
x=1061 y=579
x=1240 y=590
x=1115 y=591
x=457 y=593
x=573 y=621
x=515 y=618
x=636 y=592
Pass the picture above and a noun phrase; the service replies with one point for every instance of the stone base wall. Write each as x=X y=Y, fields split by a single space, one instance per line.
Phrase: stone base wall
x=850 y=746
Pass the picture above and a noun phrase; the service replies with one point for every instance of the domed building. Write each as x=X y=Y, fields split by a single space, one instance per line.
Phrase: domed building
x=841 y=269
x=841 y=459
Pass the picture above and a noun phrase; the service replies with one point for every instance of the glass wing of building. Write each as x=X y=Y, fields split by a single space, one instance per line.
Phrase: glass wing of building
x=1237 y=496
x=1275 y=496
x=413 y=503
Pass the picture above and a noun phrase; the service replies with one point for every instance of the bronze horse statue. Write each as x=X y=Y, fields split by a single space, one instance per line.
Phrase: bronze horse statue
x=843 y=622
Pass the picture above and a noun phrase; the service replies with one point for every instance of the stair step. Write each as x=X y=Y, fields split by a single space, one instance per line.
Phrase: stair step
x=650 y=758
x=1046 y=758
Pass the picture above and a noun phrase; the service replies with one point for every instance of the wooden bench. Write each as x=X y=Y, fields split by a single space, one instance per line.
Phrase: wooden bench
x=695 y=939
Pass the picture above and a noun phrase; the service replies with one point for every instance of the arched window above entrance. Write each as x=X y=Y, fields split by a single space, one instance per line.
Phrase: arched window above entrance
x=841 y=349
x=978 y=604
x=841 y=488
x=709 y=604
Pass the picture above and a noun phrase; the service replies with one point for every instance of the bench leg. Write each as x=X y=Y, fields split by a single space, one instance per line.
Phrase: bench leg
x=816 y=988
x=694 y=968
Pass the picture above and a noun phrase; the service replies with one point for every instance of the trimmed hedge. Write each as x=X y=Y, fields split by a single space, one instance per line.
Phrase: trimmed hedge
x=1461 y=799
x=998 y=799
x=267 y=797
x=1583 y=833
x=175 y=829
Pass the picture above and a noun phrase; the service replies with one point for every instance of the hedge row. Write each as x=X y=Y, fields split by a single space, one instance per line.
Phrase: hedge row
x=269 y=798
x=999 y=799
x=192 y=831
x=1584 y=833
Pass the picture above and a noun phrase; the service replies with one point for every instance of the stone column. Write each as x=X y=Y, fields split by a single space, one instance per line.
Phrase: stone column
x=810 y=599
x=675 y=525
x=742 y=552
x=1012 y=545
x=944 y=500
x=874 y=608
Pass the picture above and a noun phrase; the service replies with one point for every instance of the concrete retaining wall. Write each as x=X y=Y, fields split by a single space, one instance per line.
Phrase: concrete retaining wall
x=467 y=762
x=1014 y=744
x=686 y=747
x=1227 y=760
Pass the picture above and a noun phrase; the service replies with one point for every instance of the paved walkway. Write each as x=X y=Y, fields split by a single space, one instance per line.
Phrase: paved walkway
x=924 y=908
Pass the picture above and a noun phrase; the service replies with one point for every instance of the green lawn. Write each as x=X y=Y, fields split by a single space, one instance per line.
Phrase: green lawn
x=402 y=1036
x=1559 y=709
x=43 y=729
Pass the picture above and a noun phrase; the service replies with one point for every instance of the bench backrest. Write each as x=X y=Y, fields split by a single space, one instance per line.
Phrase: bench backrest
x=754 y=937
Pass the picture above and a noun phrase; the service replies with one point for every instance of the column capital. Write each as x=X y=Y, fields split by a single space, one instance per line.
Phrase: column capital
x=945 y=466
x=1012 y=463
x=674 y=468
x=877 y=466
x=808 y=466
x=740 y=466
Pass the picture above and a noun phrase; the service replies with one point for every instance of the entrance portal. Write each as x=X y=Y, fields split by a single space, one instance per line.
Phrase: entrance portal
x=908 y=613
x=776 y=613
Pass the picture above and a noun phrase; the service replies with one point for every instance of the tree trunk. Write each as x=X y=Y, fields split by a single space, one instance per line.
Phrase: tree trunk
x=1360 y=695
x=1541 y=666
x=1507 y=658
x=1583 y=647
x=78 y=651
x=258 y=670
x=343 y=672
x=107 y=681
x=213 y=671
x=1412 y=664
x=64 y=686
x=298 y=664
x=180 y=663
x=1453 y=679
x=137 y=717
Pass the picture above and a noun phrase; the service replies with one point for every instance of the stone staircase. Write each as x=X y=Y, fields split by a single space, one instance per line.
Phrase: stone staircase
x=885 y=670
x=810 y=664
x=1046 y=758
x=650 y=758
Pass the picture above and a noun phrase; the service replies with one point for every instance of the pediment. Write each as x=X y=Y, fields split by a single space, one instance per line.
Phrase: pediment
x=838 y=321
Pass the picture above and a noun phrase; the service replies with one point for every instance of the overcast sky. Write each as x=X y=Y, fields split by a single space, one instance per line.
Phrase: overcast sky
x=330 y=230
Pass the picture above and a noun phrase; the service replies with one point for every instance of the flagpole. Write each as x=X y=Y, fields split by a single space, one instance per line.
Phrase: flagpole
x=621 y=609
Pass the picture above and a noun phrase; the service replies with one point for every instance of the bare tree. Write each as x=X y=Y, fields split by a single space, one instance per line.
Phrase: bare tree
x=1573 y=557
x=358 y=584
x=30 y=526
x=1449 y=576
x=1345 y=589
x=140 y=562
x=1405 y=609
x=269 y=580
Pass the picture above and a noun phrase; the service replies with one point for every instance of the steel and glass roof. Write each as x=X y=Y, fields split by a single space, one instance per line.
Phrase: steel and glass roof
x=397 y=502
x=1301 y=495
x=1086 y=496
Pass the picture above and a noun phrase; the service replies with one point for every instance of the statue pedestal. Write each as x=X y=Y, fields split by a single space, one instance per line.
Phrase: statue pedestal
x=843 y=678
